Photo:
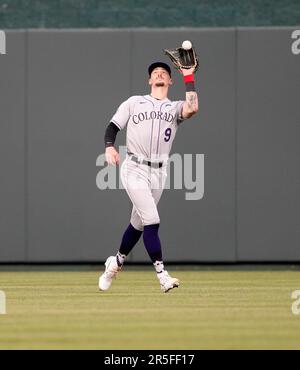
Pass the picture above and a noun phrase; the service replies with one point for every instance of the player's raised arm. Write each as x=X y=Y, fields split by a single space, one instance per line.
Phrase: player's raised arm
x=184 y=58
x=190 y=106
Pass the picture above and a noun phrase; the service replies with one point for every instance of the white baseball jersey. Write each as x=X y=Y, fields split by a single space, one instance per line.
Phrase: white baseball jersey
x=151 y=125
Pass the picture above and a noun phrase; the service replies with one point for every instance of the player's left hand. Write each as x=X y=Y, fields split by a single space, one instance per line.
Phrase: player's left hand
x=112 y=156
x=186 y=72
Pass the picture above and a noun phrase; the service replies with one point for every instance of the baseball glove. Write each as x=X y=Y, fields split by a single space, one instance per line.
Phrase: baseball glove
x=182 y=58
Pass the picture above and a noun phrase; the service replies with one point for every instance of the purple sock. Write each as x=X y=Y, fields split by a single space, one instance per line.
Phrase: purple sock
x=129 y=240
x=152 y=242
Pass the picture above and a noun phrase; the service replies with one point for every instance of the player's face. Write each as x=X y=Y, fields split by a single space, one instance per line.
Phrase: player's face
x=160 y=77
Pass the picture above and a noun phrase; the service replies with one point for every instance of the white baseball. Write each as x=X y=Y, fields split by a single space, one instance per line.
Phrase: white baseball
x=187 y=45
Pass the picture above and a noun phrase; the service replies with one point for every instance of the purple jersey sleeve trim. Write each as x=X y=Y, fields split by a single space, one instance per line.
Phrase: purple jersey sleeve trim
x=119 y=127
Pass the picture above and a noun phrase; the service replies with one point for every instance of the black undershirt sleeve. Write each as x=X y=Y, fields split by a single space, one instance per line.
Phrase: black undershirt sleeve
x=190 y=86
x=110 y=135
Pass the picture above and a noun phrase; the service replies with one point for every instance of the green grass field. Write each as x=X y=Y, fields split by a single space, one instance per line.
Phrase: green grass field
x=213 y=309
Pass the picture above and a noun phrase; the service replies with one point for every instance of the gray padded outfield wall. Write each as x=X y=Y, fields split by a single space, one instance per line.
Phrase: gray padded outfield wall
x=58 y=90
x=268 y=112
x=13 y=149
x=71 y=96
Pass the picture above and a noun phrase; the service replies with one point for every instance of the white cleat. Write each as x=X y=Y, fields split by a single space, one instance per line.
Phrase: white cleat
x=111 y=270
x=167 y=282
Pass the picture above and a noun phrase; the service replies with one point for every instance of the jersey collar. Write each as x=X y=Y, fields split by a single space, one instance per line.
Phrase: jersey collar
x=157 y=100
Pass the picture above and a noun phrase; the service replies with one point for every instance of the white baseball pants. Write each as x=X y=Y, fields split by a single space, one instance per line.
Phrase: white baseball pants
x=144 y=186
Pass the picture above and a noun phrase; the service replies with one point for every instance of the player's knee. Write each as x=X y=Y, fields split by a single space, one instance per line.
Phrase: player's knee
x=153 y=221
x=137 y=224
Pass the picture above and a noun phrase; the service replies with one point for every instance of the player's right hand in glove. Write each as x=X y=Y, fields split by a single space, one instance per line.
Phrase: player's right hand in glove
x=183 y=58
x=112 y=156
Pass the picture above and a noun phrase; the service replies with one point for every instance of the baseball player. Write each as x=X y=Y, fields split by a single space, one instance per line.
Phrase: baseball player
x=152 y=122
